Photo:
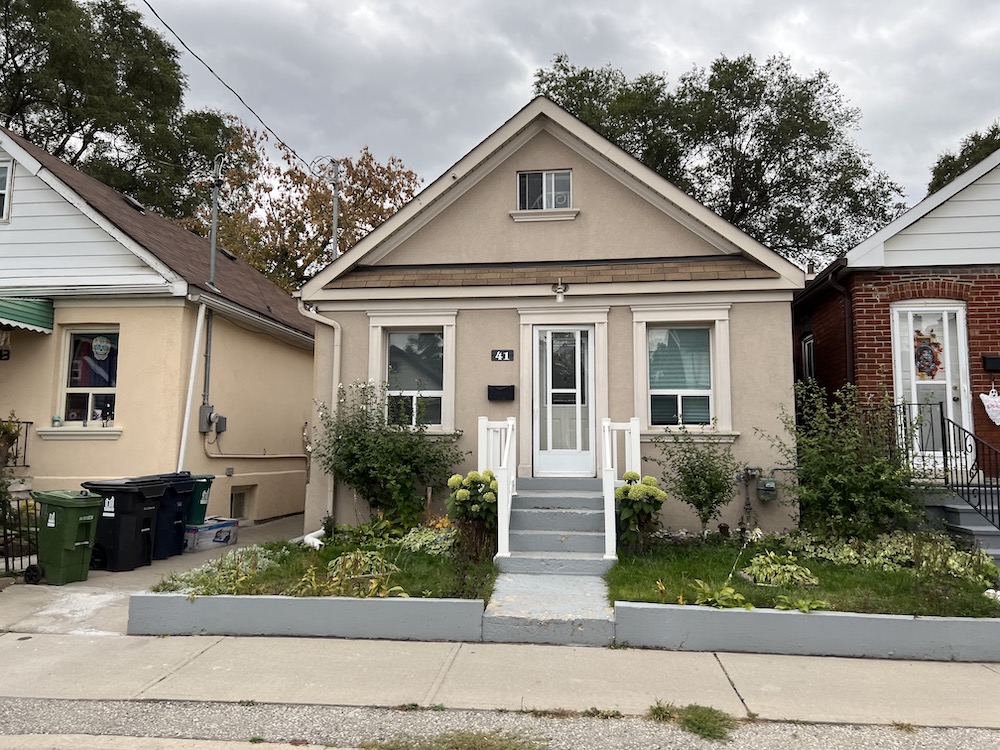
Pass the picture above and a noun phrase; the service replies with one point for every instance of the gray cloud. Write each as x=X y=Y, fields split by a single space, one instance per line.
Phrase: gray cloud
x=426 y=80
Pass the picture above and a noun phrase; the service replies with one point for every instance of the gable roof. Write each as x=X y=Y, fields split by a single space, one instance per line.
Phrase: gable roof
x=871 y=252
x=538 y=115
x=179 y=255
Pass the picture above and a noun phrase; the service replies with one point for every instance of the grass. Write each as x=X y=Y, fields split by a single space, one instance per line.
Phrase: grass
x=461 y=741
x=420 y=574
x=847 y=588
x=704 y=721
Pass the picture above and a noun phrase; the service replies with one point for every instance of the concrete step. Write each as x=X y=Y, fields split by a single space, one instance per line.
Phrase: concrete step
x=555 y=563
x=571 y=611
x=558 y=483
x=557 y=541
x=564 y=499
x=556 y=519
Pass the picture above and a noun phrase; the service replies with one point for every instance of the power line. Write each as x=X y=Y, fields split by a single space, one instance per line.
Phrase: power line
x=208 y=67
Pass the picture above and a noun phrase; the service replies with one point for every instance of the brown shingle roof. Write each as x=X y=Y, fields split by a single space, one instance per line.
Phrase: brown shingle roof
x=579 y=272
x=182 y=251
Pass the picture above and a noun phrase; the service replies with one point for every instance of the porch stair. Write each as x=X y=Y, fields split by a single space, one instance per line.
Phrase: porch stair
x=948 y=507
x=550 y=589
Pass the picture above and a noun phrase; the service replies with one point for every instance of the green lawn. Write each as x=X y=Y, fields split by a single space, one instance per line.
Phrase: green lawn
x=847 y=588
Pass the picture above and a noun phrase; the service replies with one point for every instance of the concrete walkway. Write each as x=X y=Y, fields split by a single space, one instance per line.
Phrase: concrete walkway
x=68 y=643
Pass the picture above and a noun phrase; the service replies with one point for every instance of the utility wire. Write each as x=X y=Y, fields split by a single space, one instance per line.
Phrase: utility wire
x=208 y=67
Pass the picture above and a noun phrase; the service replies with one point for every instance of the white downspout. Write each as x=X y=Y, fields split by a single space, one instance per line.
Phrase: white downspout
x=337 y=336
x=186 y=423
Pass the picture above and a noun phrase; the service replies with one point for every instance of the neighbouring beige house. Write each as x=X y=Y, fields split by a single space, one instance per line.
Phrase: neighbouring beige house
x=548 y=282
x=107 y=319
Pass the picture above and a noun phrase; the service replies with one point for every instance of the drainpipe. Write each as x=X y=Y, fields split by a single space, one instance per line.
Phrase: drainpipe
x=848 y=320
x=186 y=422
x=337 y=338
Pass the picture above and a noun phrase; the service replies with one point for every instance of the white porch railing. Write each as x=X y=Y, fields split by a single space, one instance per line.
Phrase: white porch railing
x=497 y=450
x=612 y=470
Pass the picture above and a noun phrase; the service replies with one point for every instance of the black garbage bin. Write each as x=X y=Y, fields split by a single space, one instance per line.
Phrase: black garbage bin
x=173 y=512
x=127 y=526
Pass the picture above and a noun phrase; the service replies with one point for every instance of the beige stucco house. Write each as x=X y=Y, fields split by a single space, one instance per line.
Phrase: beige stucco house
x=551 y=263
x=106 y=313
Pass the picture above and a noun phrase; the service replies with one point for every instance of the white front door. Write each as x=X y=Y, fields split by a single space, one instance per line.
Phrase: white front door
x=931 y=366
x=563 y=424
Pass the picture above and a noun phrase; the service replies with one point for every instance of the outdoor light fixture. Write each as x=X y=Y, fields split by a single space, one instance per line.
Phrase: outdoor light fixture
x=560 y=289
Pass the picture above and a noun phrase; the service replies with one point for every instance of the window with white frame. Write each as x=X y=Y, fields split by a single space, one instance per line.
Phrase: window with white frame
x=91 y=376
x=6 y=177
x=808 y=352
x=680 y=375
x=540 y=191
x=681 y=361
x=415 y=376
x=413 y=353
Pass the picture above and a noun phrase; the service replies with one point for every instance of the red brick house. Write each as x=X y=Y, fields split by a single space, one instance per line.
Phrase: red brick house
x=914 y=310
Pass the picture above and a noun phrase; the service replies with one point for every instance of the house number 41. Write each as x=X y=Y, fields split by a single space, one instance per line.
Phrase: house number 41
x=502 y=355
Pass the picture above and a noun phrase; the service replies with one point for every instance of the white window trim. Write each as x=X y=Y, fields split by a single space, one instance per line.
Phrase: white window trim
x=716 y=317
x=8 y=185
x=94 y=429
x=379 y=324
x=807 y=352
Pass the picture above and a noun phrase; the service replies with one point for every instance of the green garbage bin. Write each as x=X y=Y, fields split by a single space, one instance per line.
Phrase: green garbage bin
x=67 y=527
x=199 y=498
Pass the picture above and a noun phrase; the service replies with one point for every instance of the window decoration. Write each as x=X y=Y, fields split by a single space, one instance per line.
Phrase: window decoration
x=92 y=377
x=926 y=353
x=991 y=402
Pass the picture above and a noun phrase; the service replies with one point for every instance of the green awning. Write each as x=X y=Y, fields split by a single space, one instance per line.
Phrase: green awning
x=29 y=314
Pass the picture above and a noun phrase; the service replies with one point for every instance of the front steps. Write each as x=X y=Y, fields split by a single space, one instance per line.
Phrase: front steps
x=551 y=589
x=557 y=528
x=960 y=518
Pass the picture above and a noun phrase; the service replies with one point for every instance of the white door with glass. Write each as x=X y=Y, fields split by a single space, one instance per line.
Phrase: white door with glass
x=563 y=422
x=931 y=366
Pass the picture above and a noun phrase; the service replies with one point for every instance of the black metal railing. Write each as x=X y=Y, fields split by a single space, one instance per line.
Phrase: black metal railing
x=17 y=451
x=18 y=535
x=938 y=448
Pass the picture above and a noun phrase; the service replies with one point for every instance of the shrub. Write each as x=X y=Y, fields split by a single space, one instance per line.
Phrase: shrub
x=472 y=505
x=852 y=479
x=387 y=465
x=639 y=502
x=771 y=569
x=701 y=474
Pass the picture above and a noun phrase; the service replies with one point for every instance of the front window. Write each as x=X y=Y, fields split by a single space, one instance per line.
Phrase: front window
x=415 y=376
x=538 y=191
x=680 y=376
x=6 y=172
x=91 y=377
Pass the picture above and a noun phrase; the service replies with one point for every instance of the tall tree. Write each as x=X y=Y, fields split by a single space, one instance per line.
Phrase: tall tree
x=765 y=148
x=92 y=84
x=975 y=147
x=278 y=216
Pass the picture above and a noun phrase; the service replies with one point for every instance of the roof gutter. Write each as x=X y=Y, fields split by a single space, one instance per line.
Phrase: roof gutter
x=844 y=292
x=239 y=313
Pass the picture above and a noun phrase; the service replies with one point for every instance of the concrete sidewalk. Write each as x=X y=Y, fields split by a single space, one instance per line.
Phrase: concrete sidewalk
x=68 y=643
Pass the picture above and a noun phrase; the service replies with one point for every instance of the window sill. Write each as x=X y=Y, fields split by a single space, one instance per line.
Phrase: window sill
x=79 y=433
x=698 y=433
x=548 y=214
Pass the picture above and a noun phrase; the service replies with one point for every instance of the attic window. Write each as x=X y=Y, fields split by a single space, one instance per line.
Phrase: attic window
x=6 y=172
x=134 y=204
x=544 y=196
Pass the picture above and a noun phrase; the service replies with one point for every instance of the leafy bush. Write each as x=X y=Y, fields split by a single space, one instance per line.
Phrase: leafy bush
x=701 y=474
x=430 y=540
x=772 y=569
x=472 y=506
x=852 y=479
x=388 y=465
x=639 y=502
x=720 y=597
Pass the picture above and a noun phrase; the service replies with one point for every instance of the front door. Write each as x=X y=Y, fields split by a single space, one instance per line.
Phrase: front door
x=563 y=424
x=931 y=367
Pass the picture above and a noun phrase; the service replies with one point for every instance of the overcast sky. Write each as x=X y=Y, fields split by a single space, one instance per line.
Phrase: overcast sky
x=427 y=80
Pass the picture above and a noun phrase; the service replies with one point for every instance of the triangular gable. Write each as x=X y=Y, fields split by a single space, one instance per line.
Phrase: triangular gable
x=543 y=114
x=872 y=253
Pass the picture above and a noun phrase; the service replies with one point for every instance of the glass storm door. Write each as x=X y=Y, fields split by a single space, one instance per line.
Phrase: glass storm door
x=931 y=366
x=563 y=406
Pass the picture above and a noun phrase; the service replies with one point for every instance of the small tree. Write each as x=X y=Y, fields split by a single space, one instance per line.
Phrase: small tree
x=699 y=473
x=388 y=465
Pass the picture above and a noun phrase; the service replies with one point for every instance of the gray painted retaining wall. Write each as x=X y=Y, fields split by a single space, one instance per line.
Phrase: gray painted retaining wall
x=342 y=617
x=771 y=631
